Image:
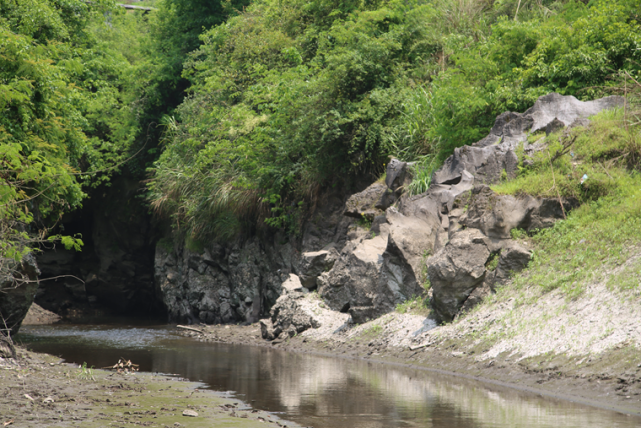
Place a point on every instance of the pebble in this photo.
(189, 412)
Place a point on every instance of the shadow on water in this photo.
(314, 390)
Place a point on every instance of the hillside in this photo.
(463, 171)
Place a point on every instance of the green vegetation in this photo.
(289, 97)
(493, 262)
(604, 232)
(82, 88)
(67, 120)
(85, 373)
(416, 306)
(371, 332)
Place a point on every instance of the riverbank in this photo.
(40, 390)
(609, 379)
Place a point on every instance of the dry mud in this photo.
(39, 390)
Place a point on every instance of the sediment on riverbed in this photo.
(40, 390)
(610, 379)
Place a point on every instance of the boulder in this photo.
(487, 164)
(17, 290)
(397, 174)
(314, 263)
(354, 279)
(363, 204)
(496, 215)
(456, 270)
(293, 284)
(410, 241)
(287, 315)
(363, 314)
(512, 259)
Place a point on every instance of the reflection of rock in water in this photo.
(335, 393)
(331, 387)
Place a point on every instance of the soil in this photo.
(609, 380)
(39, 390)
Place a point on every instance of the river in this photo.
(317, 391)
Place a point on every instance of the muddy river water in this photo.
(316, 391)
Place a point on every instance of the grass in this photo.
(364, 222)
(372, 332)
(600, 233)
(602, 152)
(85, 373)
(628, 278)
(416, 306)
(422, 175)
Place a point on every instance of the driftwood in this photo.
(414, 348)
(190, 329)
(123, 365)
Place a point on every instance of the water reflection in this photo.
(320, 391)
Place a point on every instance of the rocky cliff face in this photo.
(455, 237)
(17, 291)
(241, 281)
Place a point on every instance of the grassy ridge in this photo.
(605, 231)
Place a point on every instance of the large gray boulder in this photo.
(410, 241)
(457, 270)
(493, 157)
(496, 215)
(314, 263)
(18, 288)
(354, 279)
(362, 205)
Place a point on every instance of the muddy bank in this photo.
(610, 380)
(40, 390)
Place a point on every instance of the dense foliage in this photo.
(292, 95)
(66, 116)
(284, 97)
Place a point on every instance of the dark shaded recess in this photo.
(113, 274)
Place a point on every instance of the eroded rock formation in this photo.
(457, 236)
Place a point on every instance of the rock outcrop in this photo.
(457, 236)
(242, 280)
(17, 291)
(487, 159)
(478, 222)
